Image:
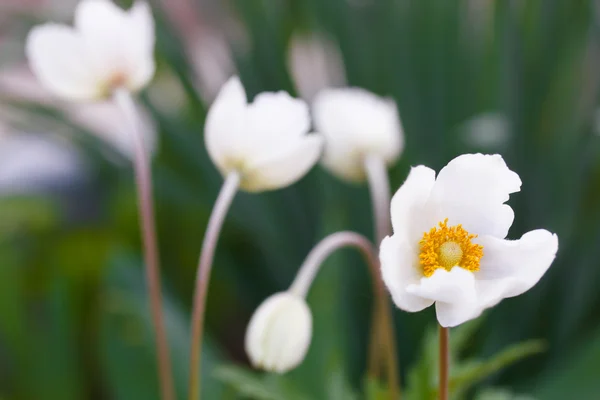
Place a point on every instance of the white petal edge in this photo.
(453, 292)
(284, 168)
(399, 270)
(512, 267)
(472, 189)
(454, 286)
(142, 38)
(450, 315)
(277, 117)
(407, 205)
(119, 41)
(224, 127)
(56, 56)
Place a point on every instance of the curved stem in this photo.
(444, 362)
(382, 325)
(315, 259)
(379, 188)
(228, 191)
(147, 225)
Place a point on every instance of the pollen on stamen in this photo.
(447, 247)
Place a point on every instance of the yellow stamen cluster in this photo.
(446, 247)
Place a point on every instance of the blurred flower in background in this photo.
(315, 62)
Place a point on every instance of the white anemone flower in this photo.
(449, 245)
(279, 333)
(107, 49)
(265, 142)
(357, 124)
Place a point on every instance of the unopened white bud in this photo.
(279, 333)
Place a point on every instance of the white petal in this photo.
(457, 285)
(290, 164)
(356, 123)
(120, 43)
(277, 117)
(454, 293)
(141, 44)
(452, 314)
(279, 333)
(471, 190)
(57, 56)
(224, 136)
(511, 267)
(399, 269)
(407, 207)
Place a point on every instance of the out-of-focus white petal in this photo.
(107, 121)
(277, 117)
(399, 269)
(57, 55)
(224, 136)
(356, 123)
(121, 42)
(471, 190)
(141, 40)
(409, 201)
(284, 167)
(315, 62)
(266, 142)
(279, 333)
(512, 267)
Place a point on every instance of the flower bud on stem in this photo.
(311, 266)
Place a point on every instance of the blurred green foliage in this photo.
(73, 311)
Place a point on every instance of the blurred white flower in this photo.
(279, 333)
(448, 244)
(266, 141)
(487, 131)
(32, 163)
(356, 124)
(103, 119)
(108, 48)
(315, 62)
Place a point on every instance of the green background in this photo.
(74, 322)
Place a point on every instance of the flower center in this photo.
(447, 247)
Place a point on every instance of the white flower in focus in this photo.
(448, 245)
(279, 333)
(108, 48)
(266, 141)
(356, 124)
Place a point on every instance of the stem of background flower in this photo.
(318, 255)
(211, 236)
(444, 362)
(147, 225)
(382, 325)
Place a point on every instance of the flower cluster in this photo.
(448, 245)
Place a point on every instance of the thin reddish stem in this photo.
(147, 226)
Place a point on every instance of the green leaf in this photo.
(256, 386)
(576, 377)
(466, 375)
(126, 347)
(375, 390)
(500, 394)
